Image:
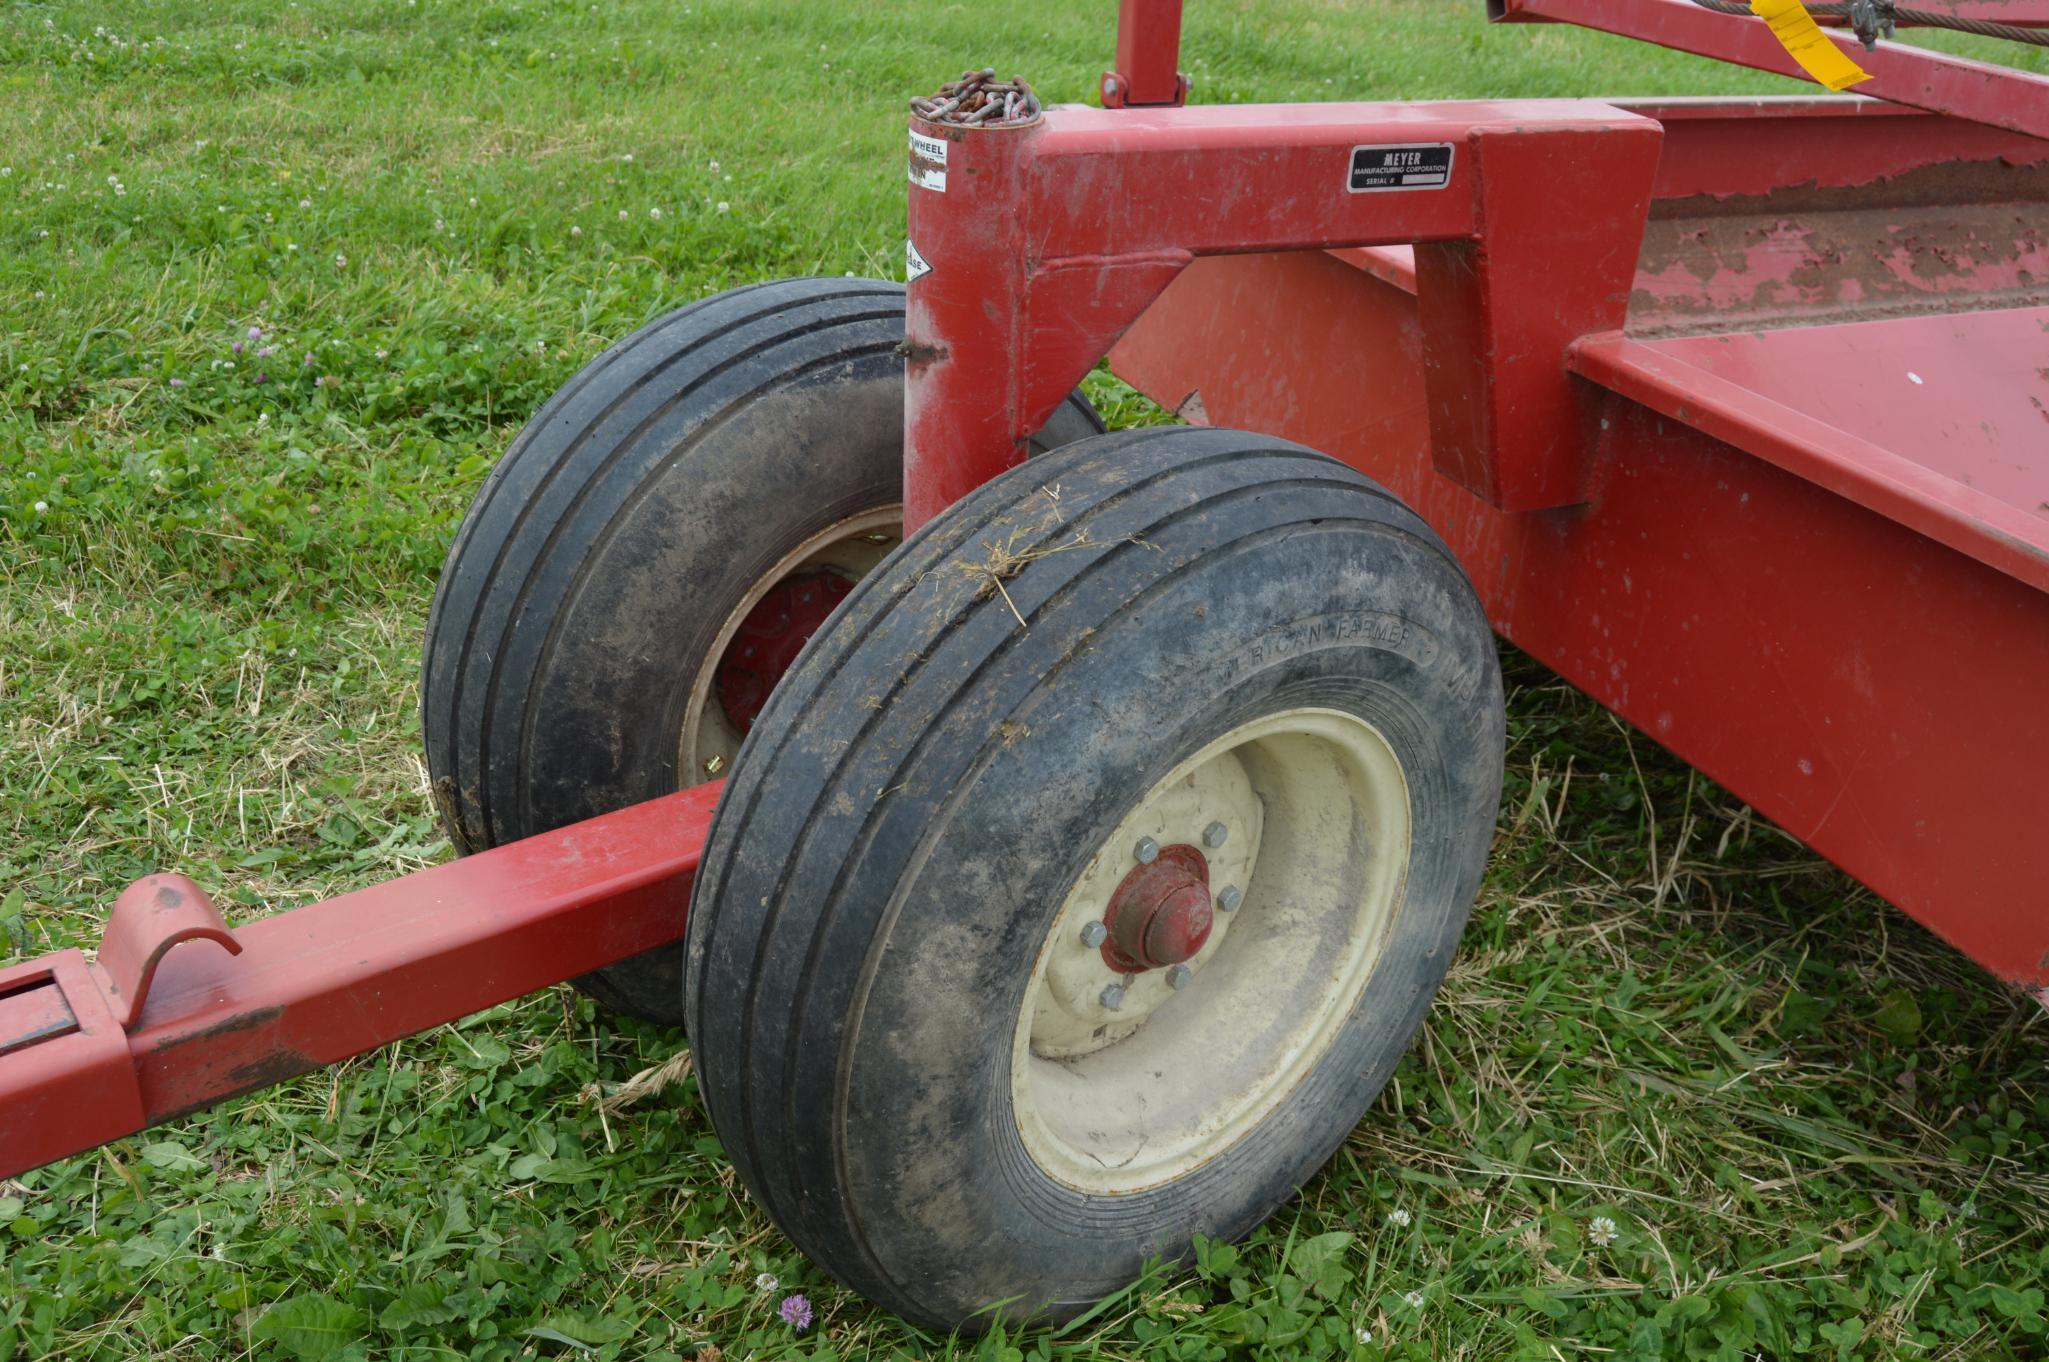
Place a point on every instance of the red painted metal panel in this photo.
(1874, 692)
(1721, 148)
(1905, 74)
(335, 979)
(1850, 408)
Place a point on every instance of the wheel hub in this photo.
(1209, 952)
(1161, 914)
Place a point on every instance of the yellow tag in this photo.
(1797, 32)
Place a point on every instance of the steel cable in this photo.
(1912, 18)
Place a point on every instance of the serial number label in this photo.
(1417, 165)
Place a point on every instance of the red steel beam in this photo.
(335, 979)
(1047, 240)
(1904, 74)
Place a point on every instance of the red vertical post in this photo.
(1148, 56)
(964, 323)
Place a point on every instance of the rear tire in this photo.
(586, 631)
(898, 989)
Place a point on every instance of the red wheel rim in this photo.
(769, 639)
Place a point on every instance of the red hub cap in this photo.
(1160, 915)
(769, 639)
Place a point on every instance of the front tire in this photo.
(651, 553)
(1155, 662)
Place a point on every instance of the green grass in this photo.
(1817, 1131)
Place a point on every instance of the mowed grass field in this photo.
(279, 281)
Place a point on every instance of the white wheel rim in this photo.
(1316, 813)
(850, 547)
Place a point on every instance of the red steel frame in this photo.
(1853, 640)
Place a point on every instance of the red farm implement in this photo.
(1085, 820)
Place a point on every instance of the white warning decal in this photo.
(916, 266)
(928, 161)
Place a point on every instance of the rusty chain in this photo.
(979, 100)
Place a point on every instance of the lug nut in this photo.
(1179, 976)
(1146, 850)
(1094, 934)
(1113, 996)
(1214, 835)
(1229, 898)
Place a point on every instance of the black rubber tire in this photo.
(932, 775)
(614, 538)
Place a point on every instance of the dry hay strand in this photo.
(648, 1082)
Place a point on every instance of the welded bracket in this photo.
(152, 915)
(1148, 55)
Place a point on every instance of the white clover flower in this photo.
(1364, 1335)
(438, 225)
(384, 354)
(1601, 1230)
(628, 158)
(766, 1281)
(623, 215)
(714, 167)
(305, 203)
(576, 231)
(473, 201)
(341, 262)
(725, 207)
(41, 294)
(1399, 1218)
(1414, 1298)
(41, 506)
(291, 245)
(5, 171)
(655, 213)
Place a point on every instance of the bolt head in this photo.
(1094, 934)
(1113, 996)
(1146, 851)
(1180, 976)
(1109, 85)
(1215, 835)
(1230, 897)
